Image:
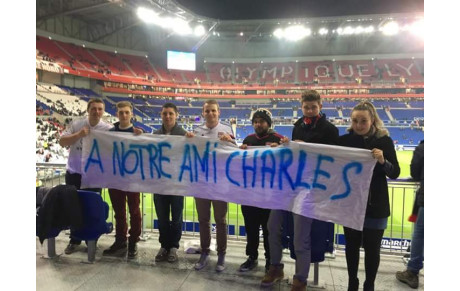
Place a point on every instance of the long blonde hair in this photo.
(377, 128)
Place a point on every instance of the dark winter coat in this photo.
(322, 132)
(61, 209)
(378, 205)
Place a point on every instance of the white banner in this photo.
(48, 66)
(329, 183)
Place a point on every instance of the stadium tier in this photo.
(263, 73)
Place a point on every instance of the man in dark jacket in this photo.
(255, 217)
(313, 127)
(169, 205)
(415, 264)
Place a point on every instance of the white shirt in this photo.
(74, 160)
(215, 132)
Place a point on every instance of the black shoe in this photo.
(118, 248)
(132, 250)
(71, 248)
(248, 265)
(353, 284)
(368, 286)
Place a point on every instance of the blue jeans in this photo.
(170, 230)
(415, 263)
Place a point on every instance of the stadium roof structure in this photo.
(117, 22)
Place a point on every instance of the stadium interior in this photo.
(117, 51)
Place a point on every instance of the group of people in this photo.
(366, 131)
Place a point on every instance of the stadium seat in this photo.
(95, 213)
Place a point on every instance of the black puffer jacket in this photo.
(378, 205)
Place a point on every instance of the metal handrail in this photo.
(396, 238)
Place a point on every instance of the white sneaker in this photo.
(202, 262)
(220, 263)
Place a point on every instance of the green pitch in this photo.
(401, 198)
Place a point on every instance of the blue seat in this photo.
(95, 213)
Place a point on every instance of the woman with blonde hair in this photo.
(367, 132)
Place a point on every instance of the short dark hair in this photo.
(94, 100)
(170, 105)
(310, 95)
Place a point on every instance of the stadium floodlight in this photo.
(348, 30)
(181, 27)
(369, 29)
(339, 31)
(199, 30)
(147, 15)
(390, 28)
(323, 31)
(296, 32)
(359, 30)
(279, 33)
(241, 33)
(417, 28)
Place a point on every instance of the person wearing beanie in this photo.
(265, 115)
(255, 217)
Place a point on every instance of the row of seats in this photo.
(80, 58)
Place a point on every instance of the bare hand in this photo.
(226, 137)
(378, 155)
(243, 146)
(285, 139)
(189, 134)
(83, 132)
(137, 131)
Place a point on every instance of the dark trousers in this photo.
(119, 198)
(75, 180)
(371, 240)
(255, 217)
(170, 229)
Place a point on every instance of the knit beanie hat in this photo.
(264, 114)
